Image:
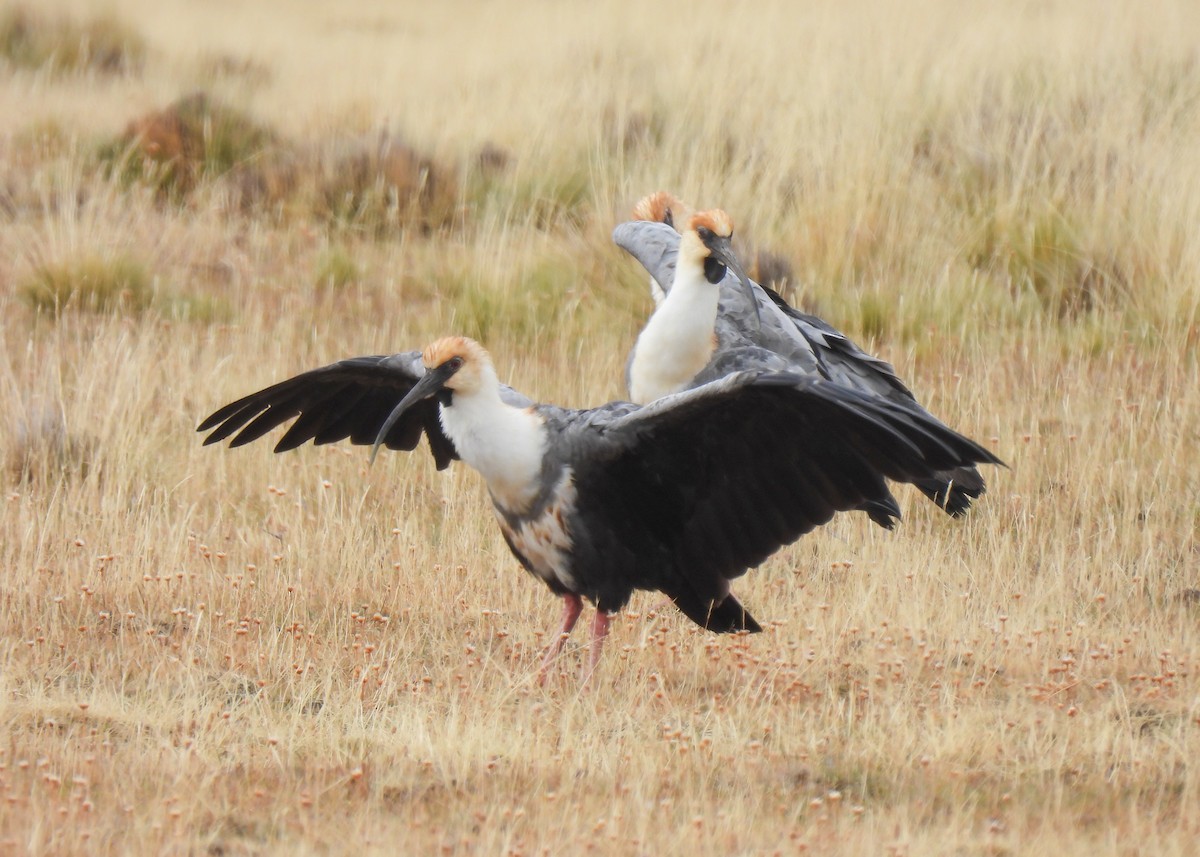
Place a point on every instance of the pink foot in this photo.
(600, 626)
(572, 607)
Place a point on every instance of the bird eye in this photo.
(455, 363)
(705, 234)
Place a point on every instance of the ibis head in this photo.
(462, 364)
(708, 240)
(453, 365)
(660, 207)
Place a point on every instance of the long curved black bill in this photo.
(429, 385)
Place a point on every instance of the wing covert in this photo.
(348, 399)
(712, 481)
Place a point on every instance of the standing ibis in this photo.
(711, 320)
(680, 496)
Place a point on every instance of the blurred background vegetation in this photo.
(228, 652)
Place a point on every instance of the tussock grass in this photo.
(31, 40)
(93, 284)
(373, 186)
(193, 138)
(381, 185)
(41, 447)
(228, 651)
(219, 67)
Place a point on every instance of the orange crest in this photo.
(715, 220)
(439, 352)
(660, 207)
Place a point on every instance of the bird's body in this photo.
(752, 328)
(599, 503)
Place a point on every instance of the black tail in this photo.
(884, 511)
(724, 618)
(952, 490)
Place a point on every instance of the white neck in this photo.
(678, 340)
(657, 292)
(505, 444)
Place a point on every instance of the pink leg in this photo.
(600, 627)
(572, 607)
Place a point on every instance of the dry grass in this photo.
(231, 652)
(98, 45)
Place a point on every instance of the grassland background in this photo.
(231, 652)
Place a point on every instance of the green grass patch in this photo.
(92, 284)
(523, 305)
(546, 201)
(336, 269)
(1043, 254)
(198, 308)
(874, 314)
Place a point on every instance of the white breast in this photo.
(676, 343)
(505, 444)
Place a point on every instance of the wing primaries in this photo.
(349, 399)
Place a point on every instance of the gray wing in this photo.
(843, 361)
(348, 399)
(688, 492)
(655, 245)
(820, 408)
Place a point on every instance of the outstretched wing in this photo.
(707, 483)
(655, 245)
(809, 344)
(348, 399)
